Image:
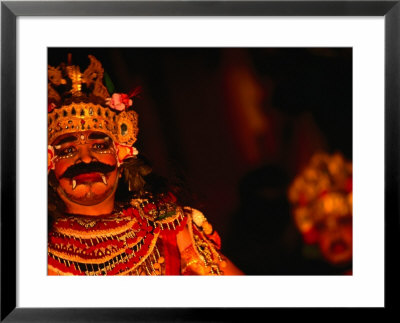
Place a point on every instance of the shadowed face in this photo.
(85, 167)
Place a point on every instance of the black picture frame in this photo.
(10, 10)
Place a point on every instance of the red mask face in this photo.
(335, 239)
(85, 166)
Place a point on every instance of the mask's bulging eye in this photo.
(67, 152)
(101, 146)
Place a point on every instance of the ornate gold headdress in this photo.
(79, 101)
(324, 188)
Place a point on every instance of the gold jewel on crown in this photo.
(79, 102)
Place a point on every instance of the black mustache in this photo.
(83, 168)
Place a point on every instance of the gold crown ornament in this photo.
(323, 189)
(80, 102)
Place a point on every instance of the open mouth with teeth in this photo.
(88, 178)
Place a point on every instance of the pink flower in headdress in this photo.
(119, 101)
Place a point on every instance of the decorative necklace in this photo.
(125, 243)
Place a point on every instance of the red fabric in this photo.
(171, 253)
(214, 237)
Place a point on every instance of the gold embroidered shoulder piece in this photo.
(202, 257)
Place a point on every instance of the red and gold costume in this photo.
(139, 240)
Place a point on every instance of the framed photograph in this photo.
(271, 126)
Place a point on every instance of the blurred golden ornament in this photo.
(321, 190)
(198, 217)
(207, 228)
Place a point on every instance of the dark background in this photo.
(237, 124)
